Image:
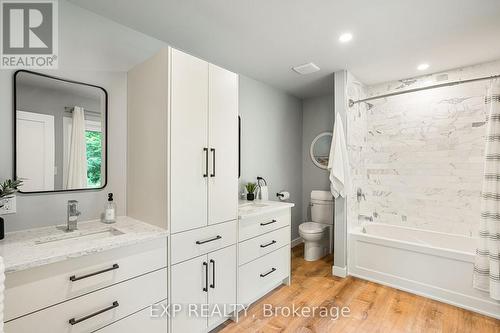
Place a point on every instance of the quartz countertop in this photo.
(257, 207)
(41, 246)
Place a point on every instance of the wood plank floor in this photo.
(374, 308)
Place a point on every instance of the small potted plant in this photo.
(7, 190)
(251, 187)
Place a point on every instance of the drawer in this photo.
(260, 276)
(197, 242)
(112, 304)
(257, 247)
(257, 225)
(51, 284)
(139, 322)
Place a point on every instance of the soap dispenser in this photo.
(110, 210)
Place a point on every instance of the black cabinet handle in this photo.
(212, 285)
(213, 162)
(266, 274)
(74, 321)
(209, 240)
(268, 244)
(74, 278)
(206, 162)
(205, 266)
(267, 223)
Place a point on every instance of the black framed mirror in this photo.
(60, 133)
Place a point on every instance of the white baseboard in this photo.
(339, 271)
(296, 241)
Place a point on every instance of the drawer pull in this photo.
(266, 274)
(206, 162)
(213, 162)
(268, 244)
(267, 223)
(209, 240)
(74, 321)
(205, 267)
(212, 285)
(74, 278)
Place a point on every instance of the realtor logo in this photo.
(29, 34)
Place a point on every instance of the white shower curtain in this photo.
(487, 263)
(77, 162)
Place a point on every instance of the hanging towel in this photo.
(487, 261)
(2, 289)
(338, 161)
(77, 164)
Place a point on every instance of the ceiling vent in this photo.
(306, 68)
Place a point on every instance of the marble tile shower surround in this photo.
(419, 157)
(356, 144)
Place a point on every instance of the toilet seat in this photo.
(312, 228)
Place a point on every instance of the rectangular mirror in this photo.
(60, 133)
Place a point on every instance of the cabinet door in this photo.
(222, 283)
(223, 141)
(189, 282)
(189, 138)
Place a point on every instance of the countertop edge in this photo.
(282, 205)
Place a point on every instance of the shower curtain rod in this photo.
(352, 102)
(71, 108)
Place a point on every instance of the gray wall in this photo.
(85, 54)
(317, 117)
(271, 144)
(35, 210)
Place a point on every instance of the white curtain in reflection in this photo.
(77, 164)
(487, 263)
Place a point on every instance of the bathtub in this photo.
(431, 264)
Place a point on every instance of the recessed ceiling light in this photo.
(306, 68)
(423, 67)
(345, 37)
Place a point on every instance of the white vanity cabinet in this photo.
(204, 143)
(204, 280)
(87, 293)
(263, 251)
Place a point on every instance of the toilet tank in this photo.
(322, 207)
(322, 211)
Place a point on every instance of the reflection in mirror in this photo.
(60, 133)
(320, 149)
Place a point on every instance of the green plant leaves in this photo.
(9, 187)
(251, 187)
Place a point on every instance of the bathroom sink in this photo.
(78, 236)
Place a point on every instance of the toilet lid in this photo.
(311, 227)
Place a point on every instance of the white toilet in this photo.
(317, 235)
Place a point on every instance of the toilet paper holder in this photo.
(283, 195)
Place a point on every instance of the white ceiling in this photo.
(263, 39)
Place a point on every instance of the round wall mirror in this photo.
(320, 149)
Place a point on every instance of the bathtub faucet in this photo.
(365, 218)
(360, 195)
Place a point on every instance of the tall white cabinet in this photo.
(192, 108)
(204, 143)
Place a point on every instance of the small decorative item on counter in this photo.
(110, 210)
(7, 189)
(251, 187)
